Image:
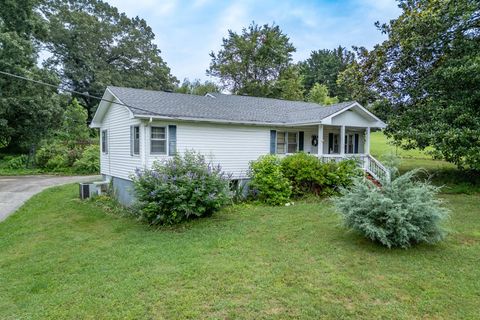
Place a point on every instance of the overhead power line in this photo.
(84, 94)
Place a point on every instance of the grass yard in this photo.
(65, 259)
(441, 173)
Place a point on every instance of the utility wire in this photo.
(73, 91)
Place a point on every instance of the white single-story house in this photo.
(139, 126)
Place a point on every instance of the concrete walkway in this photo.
(14, 191)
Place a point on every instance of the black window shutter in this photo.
(301, 135)
(273, 141)
(330, 142)
(356, 143)
(172, 140)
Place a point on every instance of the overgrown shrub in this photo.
(57, 162)
(51, 154)
(401, 213)
(179, 189)
(89, 162)
(308, 174)
(16, 162)
(268, 184)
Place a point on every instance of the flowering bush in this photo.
(180, 188)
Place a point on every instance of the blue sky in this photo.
(187, 31)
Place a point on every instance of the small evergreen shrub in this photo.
(268, 184)
(89, 162)
(309, 175)
(401, 213)
(180, 188)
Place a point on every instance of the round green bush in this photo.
(268, 184)
(309, 175)
(401, 213)
(180, 188)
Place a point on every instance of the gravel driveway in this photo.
(14, 191)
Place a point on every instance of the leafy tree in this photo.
(289, 85)
(427, 72)
(319, 94)
(250, 62)
(324, 66)
(93, 45)
(358, 78)
(28, 111)
(74, 126)
(197, 87)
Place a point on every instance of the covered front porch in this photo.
(332, 143)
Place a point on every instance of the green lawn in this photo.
(65, 259)
(411, 159)
(441, 173)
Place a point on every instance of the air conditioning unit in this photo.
(89, 190)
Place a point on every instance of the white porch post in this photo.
(367, 141)
(342, 140)
(320, 141)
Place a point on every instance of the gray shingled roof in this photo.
(223, 107)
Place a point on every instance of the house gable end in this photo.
(108, 99)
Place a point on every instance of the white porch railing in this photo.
(367, 162)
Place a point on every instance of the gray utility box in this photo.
(89, 190)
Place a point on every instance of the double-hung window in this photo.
(104, 136)
(134, 140)
(287, 142)
(158, 140)
(281, 142)
(292, 142)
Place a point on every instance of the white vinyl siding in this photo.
(118, 161)
(231, 146)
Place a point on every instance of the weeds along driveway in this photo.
(15, 190)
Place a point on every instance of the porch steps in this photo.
(373, 180)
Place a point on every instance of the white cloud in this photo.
(187, 31)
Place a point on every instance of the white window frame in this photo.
(156, 139)
(286, 143)
(297, 138)
(104, 141)
(350, 138)
(132, 140)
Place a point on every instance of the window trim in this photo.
(297, 137)
(104, 141)
(132, 140)
(286, 143)
(350, 140)
(166, 140)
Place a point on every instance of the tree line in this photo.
(423, 79)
